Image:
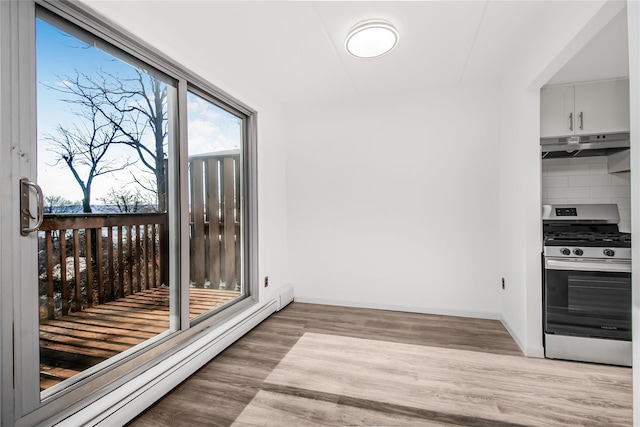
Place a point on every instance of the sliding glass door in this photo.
(104, 153)
(215, 205)
(135, 201)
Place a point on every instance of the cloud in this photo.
(206, 136)
(210, 127)
(64, 83)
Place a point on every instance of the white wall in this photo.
(568, 27)
(519, 217)
(633, 19)
(392, 202)
(587, 180)
(272, 202)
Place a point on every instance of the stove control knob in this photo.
(565, 251)
(609, 252)
(578, 251)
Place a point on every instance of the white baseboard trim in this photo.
(284, 295)
(535, 352)
(126, 402)
(409, 309)
(527, 351)
(515, 336)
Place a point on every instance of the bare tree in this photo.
(143, 100)
(83, 147)
(57, 204)
(131, 106)
(127, 201)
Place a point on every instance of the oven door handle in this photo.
(605, 266)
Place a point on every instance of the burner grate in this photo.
(582, 238)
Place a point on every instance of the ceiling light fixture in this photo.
(371, 38)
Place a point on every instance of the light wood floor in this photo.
(322, 365)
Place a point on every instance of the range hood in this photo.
(584, 146)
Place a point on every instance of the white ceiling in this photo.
(293, 52)
(606, 56)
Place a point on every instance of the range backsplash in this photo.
(586, 180)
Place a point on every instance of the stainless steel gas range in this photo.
(587, 284)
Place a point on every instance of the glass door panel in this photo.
(215, 206)
(102, 149)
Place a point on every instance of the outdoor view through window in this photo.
(105, 142)
(215, 201)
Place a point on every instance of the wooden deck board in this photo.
(87, 328)
(73, 343)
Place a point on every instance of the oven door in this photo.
(588, 298)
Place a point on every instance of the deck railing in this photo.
(215, 235)
(90, 259)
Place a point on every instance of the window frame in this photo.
(84, 392)
(245, 176)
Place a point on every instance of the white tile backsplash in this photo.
(609, 191)
(586, 180)
(622, 202)
(565, 170)
(568, 192)
(551, 162)
(554, 201)
(625, 215)
(598, 169)
(589, 200)
(588, 160)
(555, 181)
(589, 180)
(623, 178)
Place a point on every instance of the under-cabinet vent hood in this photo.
(584, 146)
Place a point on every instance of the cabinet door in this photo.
(602, 107)
(556, 111)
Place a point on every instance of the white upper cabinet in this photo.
(584, 109)
(556, 111)
(602, 107)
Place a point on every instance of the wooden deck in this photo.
(73, 343)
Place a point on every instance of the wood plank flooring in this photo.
(73, 343)
(323, 365)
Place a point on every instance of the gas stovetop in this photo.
(588, 239)
(583, 225)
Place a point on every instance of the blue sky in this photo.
(59, 54)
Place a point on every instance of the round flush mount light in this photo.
(371, 38)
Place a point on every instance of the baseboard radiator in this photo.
(285, 295)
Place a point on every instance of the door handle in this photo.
(25, 213)
(577, 266)
(571, 121)
(581, 120)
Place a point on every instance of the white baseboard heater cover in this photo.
(285, 295)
